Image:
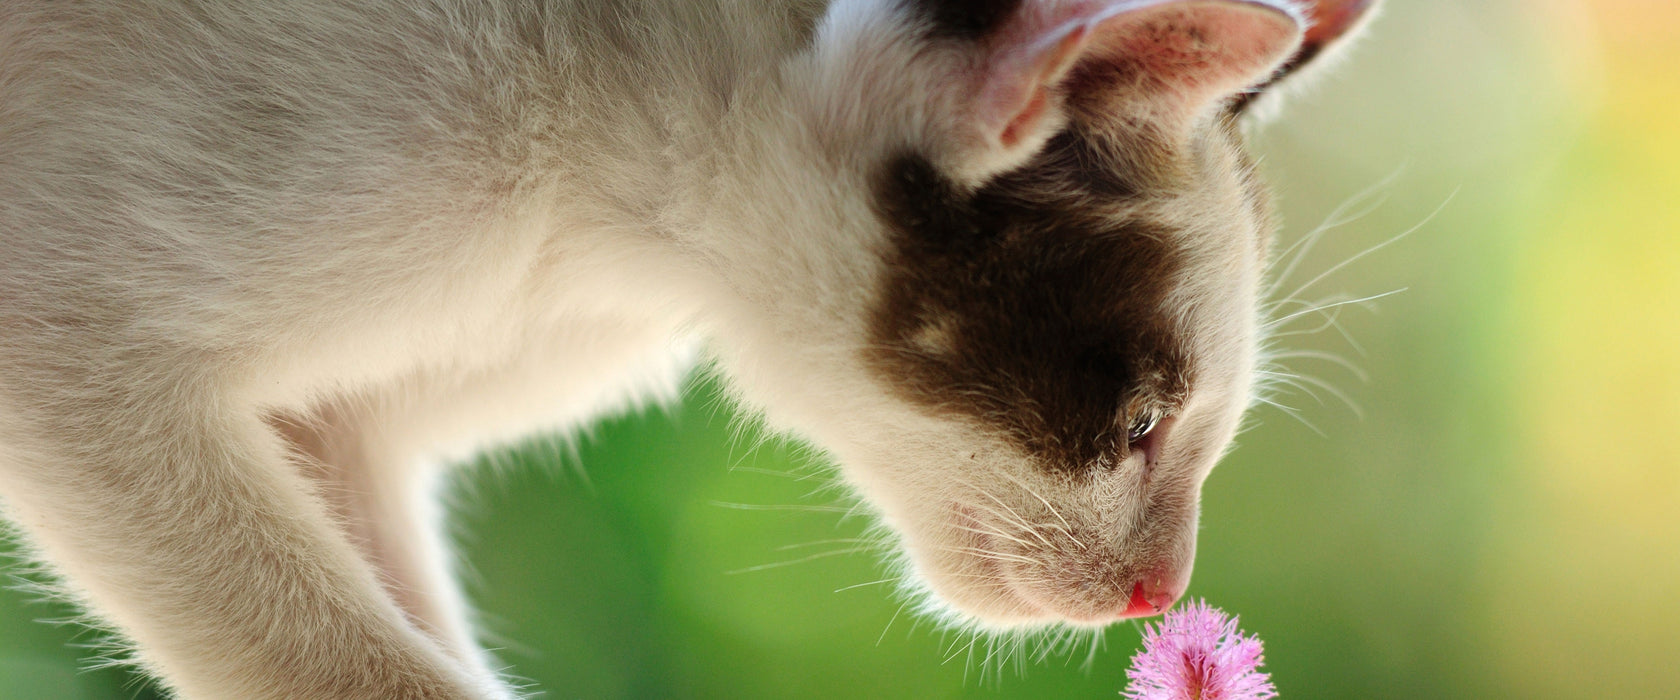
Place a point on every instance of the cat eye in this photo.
(1142, 426)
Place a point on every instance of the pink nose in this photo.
(1148, 601)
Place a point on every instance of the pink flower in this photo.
(1197, 653)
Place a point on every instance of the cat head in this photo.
(1023, 311)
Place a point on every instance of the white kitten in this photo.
(262, 264)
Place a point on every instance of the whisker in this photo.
(1330, 357)
(1068, 528)
(1335, 219)
(1292, 413)
(801, 560)
(1017, 519)
(1099, 641)
(970, 647)
(791, 507)
(774, 472)
(1368, 251)
(994, 533)
(851, 512)
(1297, 379)
(1324, 307)
(818, 543)
(1349, 339)
(869, 583)
(988, 554)
(890, 622)
(798, 561)
(986, 661)
(1005, 519)
(1274, 380)
(1332, 318)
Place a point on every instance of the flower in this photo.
(1197, 653)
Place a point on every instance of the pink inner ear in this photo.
(1046, 68)
(1331, 19)
(1174, 56)
(1026, 121)
(1185, 55)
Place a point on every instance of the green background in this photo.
(1502, 521)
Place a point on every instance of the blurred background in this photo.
(1499, 518)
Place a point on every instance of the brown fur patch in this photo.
(966, 19)
(1045, 288)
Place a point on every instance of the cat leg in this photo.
(377, 457)
(171, 509)
(384, 498)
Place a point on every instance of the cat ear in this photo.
(1333, 22)
(1168, 61)
(1333, 25)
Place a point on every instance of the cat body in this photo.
(264, 267)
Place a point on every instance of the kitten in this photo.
(264, 265)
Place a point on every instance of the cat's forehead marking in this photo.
(965, 19)
(1030, 305)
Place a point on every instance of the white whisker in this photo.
(1337, 218)
(1292, 413)
(1330, 357)
(1332, 305)
(890, 622)
(1014, 517)
(1368, 251)
(1068, 529)
(867, 583)
(818, 543)
(1301, 380)
(994, 533)
(801, 560)
(789, 507)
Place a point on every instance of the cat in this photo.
(265, 265)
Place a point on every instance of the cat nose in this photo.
(1149, 599)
